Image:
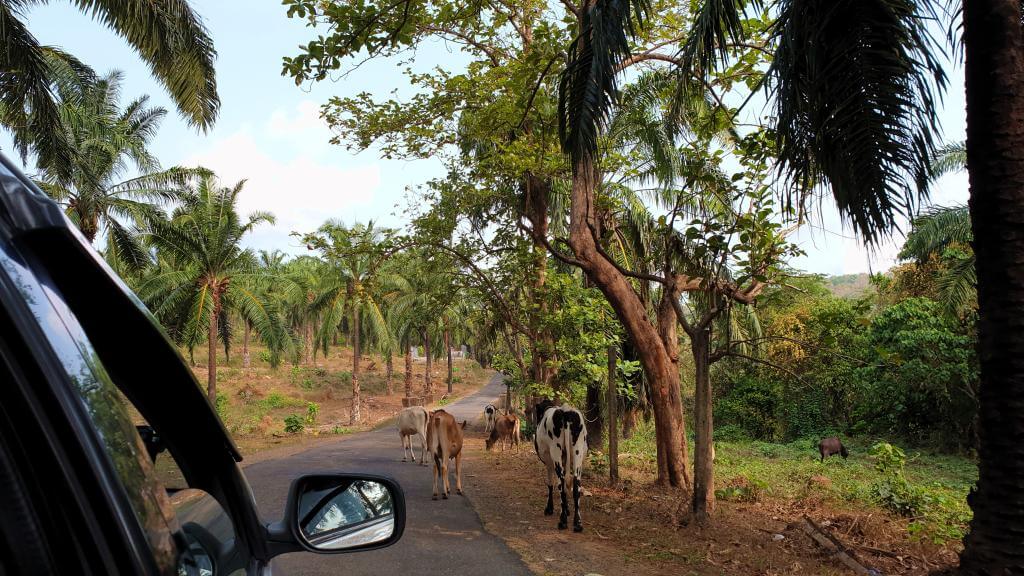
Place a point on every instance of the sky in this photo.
(269, 131)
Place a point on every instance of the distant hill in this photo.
(849, 285)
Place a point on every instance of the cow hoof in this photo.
(403, 459)
(563, 525)
(434, 497)
(445, 496)
(459, 492)
(549, 512)
(577, 528)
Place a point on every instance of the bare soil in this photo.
(642, 529)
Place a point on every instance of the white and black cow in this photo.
(490, 415)
(561, 444)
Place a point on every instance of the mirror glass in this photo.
(338, 513)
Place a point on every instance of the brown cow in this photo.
(444, 440)
(505, 428)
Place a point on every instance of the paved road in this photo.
(441, 537)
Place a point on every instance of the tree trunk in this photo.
(307, 343)
(628, 422)
(612, 401)
(211, 358)
(448, 347)
(994, 70)
(355, 366)
(389, 371)
(246, 360)
(592, 411)
(703, 471)
(428, 382)
(660, 361)
(408, 371)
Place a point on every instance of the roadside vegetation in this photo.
(611, 215)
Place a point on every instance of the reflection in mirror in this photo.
(336, 513)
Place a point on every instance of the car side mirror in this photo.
(338, 513)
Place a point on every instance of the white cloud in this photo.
(287, 164)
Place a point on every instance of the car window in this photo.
(106, 410)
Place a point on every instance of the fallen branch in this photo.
(839, 551)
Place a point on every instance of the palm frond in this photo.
(855, 88)
(588, 84)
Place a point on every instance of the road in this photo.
(441, 537)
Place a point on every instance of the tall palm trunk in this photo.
(388, 373)
(211, 358)
(448, 348)
(307, 342)
(355, 366)
(994, 70)
(408, 371)
(245, 345)
(428, 382)
(656, 347)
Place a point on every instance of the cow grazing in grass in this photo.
(444, 440)
(561, 444)
(490, 415)
(506, 428)
(412, 421)
(831, 446)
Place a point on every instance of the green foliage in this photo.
(925, 388)
(276, 400)
(264, 356)
(294, 424)
(222, 406)
(312, 411)
(893, 491)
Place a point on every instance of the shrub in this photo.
(222, 406)
(277, 400)
(526, 429)
(894, 492)
(344, 378)
(293, 424)
(740, 489)
(312, 411)
(264, 356)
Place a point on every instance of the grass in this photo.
(785, 472)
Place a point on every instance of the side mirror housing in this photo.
(339, 513)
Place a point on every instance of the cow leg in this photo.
(577, 520)
(404, 450)
(444, 471)
(436, 472)
(550, 508)
(423, 450)
(563, 516)
(458, 473)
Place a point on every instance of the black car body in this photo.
(77, 487)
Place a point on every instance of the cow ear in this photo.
(464, 424)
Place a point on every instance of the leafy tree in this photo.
(167, 34)
(203, 272)
(858, 113)
(108, 141)
(943, 235)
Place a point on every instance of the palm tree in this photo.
(854, 87)
(944, 232)
(351, 291)
(205, 273)
(108, 141)
(167, 34)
